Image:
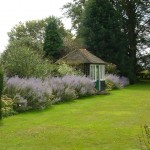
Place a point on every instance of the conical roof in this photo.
(81, 56)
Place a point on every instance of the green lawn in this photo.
(111, 122)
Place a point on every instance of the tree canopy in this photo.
(53, 39)
(32, 35)
(101, 32)
(133, 18)
(136, 24)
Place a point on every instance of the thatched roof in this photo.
(81, 56)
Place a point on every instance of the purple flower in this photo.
(116, 81)
(37, 91)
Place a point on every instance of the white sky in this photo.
(14, 11)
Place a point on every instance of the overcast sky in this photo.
(14, 11)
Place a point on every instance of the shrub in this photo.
(110, 85)
(65, 69)
(116, 82)
(82, 85)
(34, 93)
(145, 74)
(77, 85)
(24, 62)
(111, 68)
(124, 81)
(60, 90)
(7, 106)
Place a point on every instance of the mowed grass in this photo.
(103, 122)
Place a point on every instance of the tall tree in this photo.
(136, 20)
(33, 28)
(30, 34)
(102, 34)
(53, 39)
(135, 24)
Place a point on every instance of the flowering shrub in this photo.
(36, 93)
(70, 87)
(113, 81)
(124, 81)
(116, 82)
(7, 106)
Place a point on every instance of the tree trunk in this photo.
(132, 37)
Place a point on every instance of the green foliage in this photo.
(7, 106)
(69, 94)
(53, 39)
(71, 43)
(1, 90)
(102, 34)
(145, 74)
(65, 69)
(24, 62)
(30, 34)
(134, 21)
(111, 69)
(21, 58)
(33, 29)
(135, 17)
(110, 85)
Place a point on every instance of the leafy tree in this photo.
(33, 28)
(22, 61)
(136, 21)
(71, 43)
(53, 39)
(102, 34)
(30, 33)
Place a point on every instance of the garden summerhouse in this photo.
(91, 65)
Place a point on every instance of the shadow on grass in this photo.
(141, 86)
(78, 99)
(92, 97)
